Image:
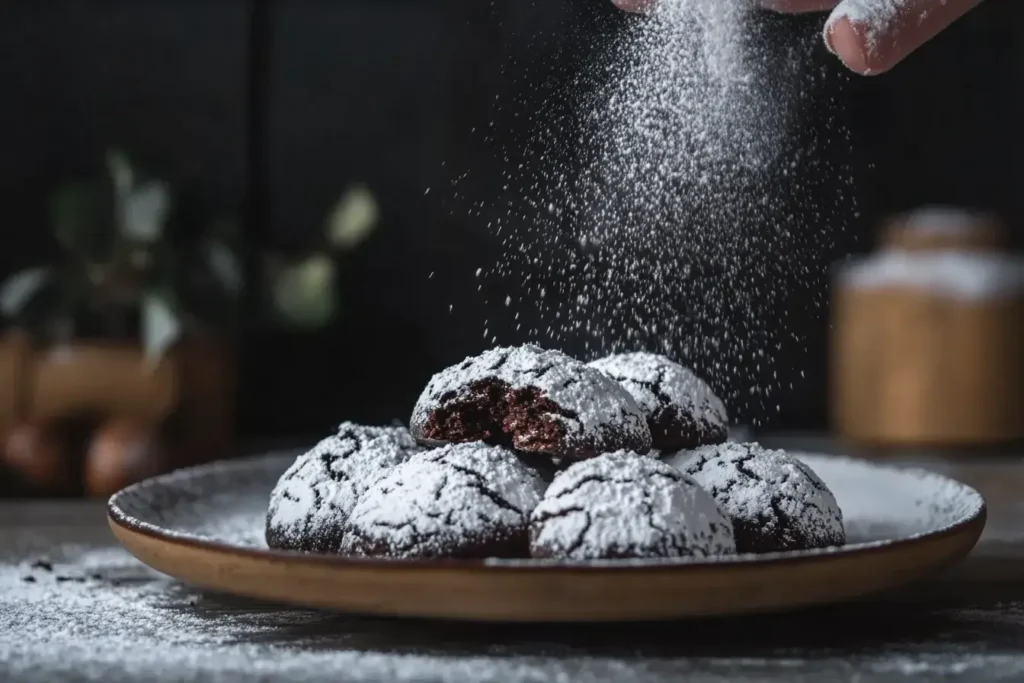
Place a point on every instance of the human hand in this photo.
(869, 36)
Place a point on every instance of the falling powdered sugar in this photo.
(664, 213)
(624, 506)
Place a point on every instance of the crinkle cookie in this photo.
(464, 501)
(312, 500)
(532, 400)
(681, 409)
(775, 501)
(624, 505)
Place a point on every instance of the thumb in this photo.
(634, 5)
(872, 36)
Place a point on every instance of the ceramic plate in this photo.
(205, 526)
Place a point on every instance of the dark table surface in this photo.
(73, 606)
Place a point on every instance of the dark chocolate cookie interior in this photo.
(491, 410)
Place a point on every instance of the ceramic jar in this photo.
(928, 336)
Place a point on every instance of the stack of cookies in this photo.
(525, 452)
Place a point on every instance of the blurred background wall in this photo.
(269, 109)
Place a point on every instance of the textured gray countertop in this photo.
(75, 607)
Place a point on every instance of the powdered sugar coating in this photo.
(875, 18)
(776, 502)
(312, 500)
(623, 505)
(464, 500)
(681, 409)
(595, 413)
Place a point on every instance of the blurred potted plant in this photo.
(128, 330)
(122, 274)
(118, 357)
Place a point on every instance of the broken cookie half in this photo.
(533, 400)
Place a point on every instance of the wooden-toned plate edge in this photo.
(951, 547)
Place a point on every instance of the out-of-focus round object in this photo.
(938, 228)
(122, 452)
(38, 456)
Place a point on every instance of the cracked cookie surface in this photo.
(776, 502)
(312, 500)
(532, 400)
(466, 501)
(624, 505)
(681, 409)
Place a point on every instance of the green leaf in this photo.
(19, 289)
(353, 218)
(144, 210)
(161, 327)
(305, 294)
(45, 309)
(224, 265)
(121, 172)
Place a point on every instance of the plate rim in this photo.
(117, 516)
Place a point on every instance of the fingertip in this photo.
(634, 5)
(796, 6)
(854, 45)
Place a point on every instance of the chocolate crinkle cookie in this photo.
(533, 400)
(461, 501)
(312, 500)
(623, 505)
(776, 502)
(681, 409)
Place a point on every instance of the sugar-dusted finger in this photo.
(786, 6)
(872, 36)
(634, 5)
(797, 6)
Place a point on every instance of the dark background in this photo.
(271, 108)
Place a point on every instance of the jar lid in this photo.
(938, 228)
(964, 275)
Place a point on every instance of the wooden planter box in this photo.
(192, 386)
